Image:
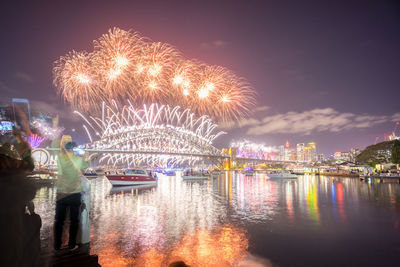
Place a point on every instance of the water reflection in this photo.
(208, 223)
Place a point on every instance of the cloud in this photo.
(315, 120)
(262, 108)
(219, 43)
(396, 117)
(24, 77)
(213, 44)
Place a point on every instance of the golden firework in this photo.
(127, 66)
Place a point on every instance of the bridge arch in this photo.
(157, 134)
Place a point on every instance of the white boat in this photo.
(282, 175)
(131, 177)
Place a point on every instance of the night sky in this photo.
(326, 72)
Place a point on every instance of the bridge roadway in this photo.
(263, 160)
(148, 152)
(223, 157)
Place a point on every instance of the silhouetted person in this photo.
(15, 191)
(178, 264)
(32, 225)
(68, 192)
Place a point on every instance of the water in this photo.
(235, 220)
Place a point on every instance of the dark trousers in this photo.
(73, 202)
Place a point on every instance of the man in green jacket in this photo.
(69, 189)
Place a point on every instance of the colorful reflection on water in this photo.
(220, 222)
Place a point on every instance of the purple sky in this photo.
(325, 72)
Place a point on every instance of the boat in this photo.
(90, 173)
(131, 177)
(282, 175)
(248, 171)
(195, 175)
(168, 172)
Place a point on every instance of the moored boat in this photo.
(131, 177)
(248, 171)
(168, 172)
(195, 175)
(282, 175)
(90, 175)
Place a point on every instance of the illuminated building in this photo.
(349, 156)
(300, 152)
(6, 118)
(293, 154)
(6, 112)
(287, 152)
(281, 153)
(310, 152)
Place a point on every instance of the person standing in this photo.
(69, 189)
(33, 223)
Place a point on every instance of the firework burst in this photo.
(76, 80)
(127, 66)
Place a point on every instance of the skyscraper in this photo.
(300, 152)
(310, 152)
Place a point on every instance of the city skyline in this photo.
(317, 79)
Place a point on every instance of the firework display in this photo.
(125, 65)
(47, 131)
(35, 141)
(248, 149)
(155, 135)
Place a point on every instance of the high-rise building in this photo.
(293, 154)
(310, 152)
(287, 152)
(6, 118)
(354, 152)
(300, 152)
(6, 112)
(281, 152)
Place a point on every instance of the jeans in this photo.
(73, 202)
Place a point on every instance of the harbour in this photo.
(249, 217)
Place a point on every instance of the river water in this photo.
(234, 220)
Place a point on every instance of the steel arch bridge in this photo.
(154, 135)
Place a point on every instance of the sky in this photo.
(324, 71)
